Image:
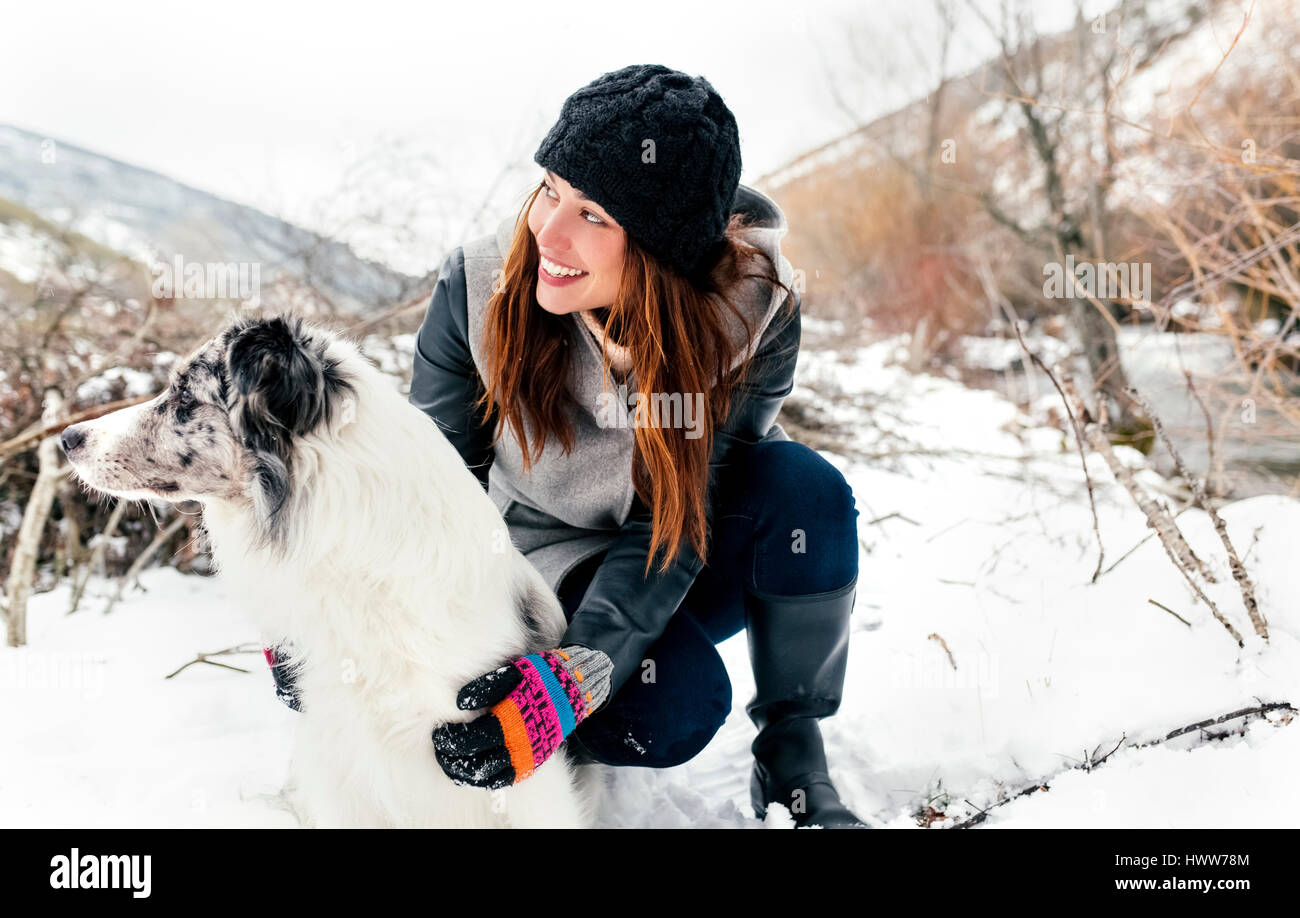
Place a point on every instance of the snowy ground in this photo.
(991, 552)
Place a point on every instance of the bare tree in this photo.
(1074, 218)
(37, 512)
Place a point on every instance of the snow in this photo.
(137, 382)
(1002, 353)
(812, 325)
(22, 251)
(115, 234)
(1170, 352)
(990, 553)
(392, 355)
(1157, 787)
(110, 742)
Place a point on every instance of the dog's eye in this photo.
(184, 400)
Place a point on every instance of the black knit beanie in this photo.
(659, 151)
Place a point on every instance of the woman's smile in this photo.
(580, 249)
(558, 274)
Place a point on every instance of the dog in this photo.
(355, 532)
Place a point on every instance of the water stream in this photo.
(1260, 449)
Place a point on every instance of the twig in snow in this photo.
(1146, 538)
(1254, 540)
(890, 516)
(1158, 518)
(984, 814)
(1001, 595)
(1102, 760)
(1261, 709)
(1198, 492)
(204, 658)
(1078, 437)
(1244, 712)
(1209, 428)
(1170, 611)
(934, 636)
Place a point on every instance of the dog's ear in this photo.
(282, 385)
(278, 380)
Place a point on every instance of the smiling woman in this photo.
(638, 250)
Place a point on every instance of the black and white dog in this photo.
(354, 530)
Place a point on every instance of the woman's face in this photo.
(574, 233)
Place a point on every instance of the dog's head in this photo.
(225, 426)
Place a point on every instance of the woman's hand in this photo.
(536, 702)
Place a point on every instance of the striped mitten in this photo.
(535, 703)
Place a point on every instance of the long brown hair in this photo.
(675, 334)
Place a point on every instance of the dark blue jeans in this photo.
(784, 522)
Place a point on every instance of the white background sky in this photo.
(267, 103)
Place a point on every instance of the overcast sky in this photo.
(268, 103)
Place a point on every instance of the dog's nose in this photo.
(72, 438)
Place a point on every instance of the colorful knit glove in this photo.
(536, 702)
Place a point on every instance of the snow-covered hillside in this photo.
(982, 661)
(149, 217)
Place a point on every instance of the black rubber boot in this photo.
(799, 649)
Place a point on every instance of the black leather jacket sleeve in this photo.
(444, 380)
(623, 612)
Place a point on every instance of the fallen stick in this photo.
(1088, 765)
(204, 658)
(1161, 605)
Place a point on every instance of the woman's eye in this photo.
(550, 193)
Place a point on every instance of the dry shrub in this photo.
(880, 240)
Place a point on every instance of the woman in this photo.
(639, 260)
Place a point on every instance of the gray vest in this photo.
(568, 508)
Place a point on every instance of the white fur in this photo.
(399, 585)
